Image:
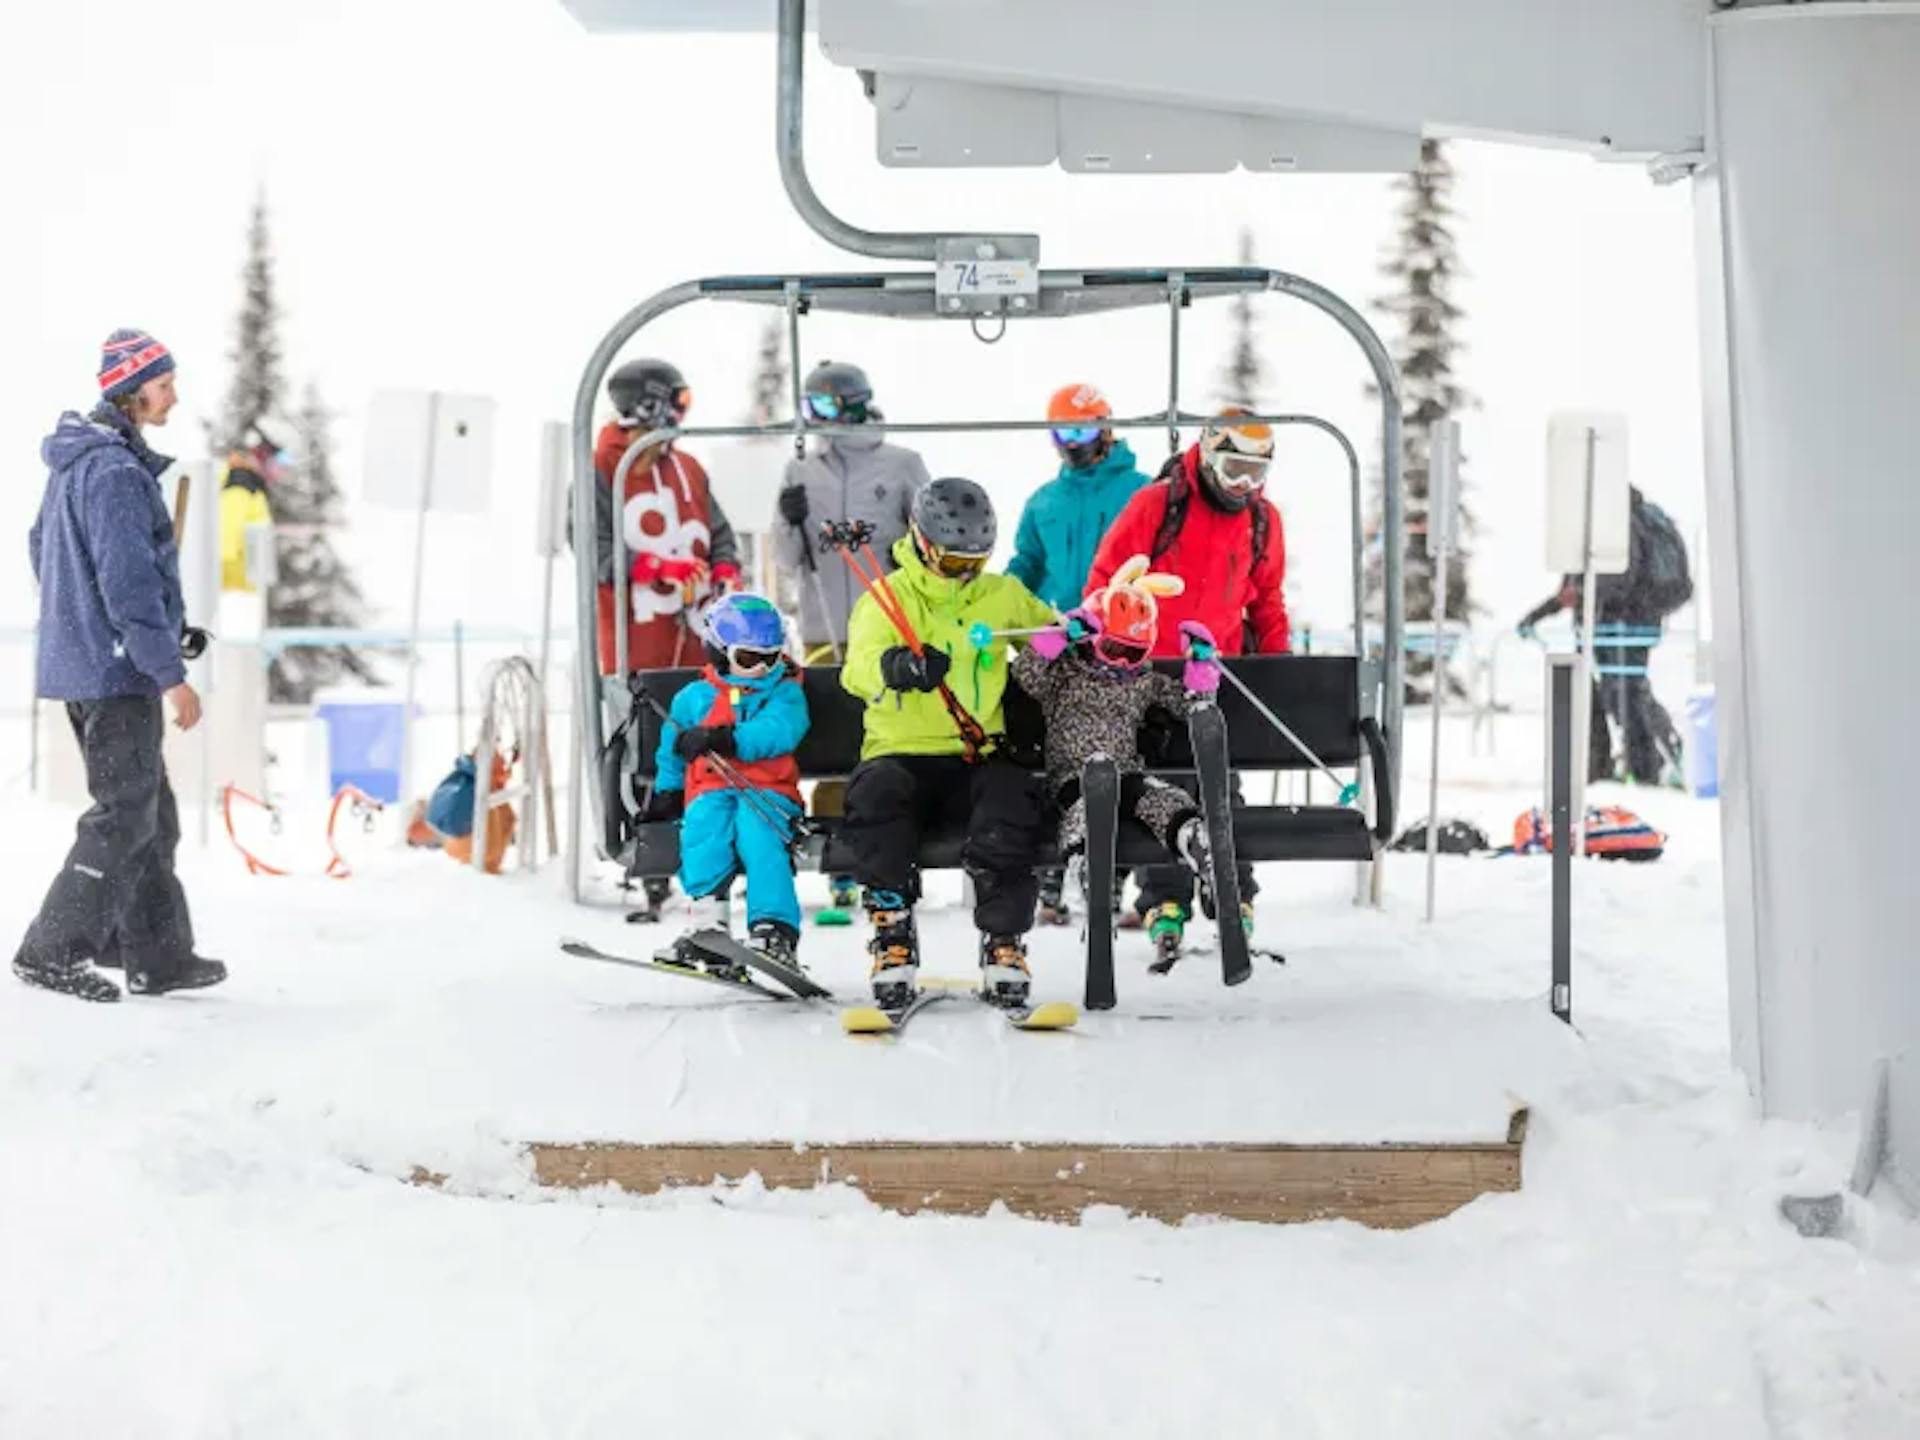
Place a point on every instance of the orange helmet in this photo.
(1078, 416)
(1077, 405)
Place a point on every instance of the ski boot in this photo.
(1190, 844)
(1005, 979)
(1167, 927)
(778, 942)
(77, 979)
(1053, 898)
(193, 973)
(895, 948)
(708, 912)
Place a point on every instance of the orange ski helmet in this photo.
(1077, 414)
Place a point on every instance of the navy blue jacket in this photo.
(103, 552)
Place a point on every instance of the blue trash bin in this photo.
(1703, 745)
(364, 744)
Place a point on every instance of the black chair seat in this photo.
(1261, 833)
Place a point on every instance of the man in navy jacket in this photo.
(111, 626)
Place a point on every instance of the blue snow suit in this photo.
(723, 831)
(103, 552)
(1061, 526)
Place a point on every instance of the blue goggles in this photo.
(825, 407)
(1075, 434)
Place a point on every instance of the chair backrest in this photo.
(1317, 696)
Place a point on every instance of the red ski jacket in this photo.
(1230, 590)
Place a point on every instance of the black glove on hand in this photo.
(904, 670)
(793, 505)
(194, 641)
(698, 740)
(664, 805)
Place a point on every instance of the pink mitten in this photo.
(1201, 677)
(1048, 644)
(1202, 673)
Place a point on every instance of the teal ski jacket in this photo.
(1061, 526)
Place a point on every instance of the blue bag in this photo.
(450, 810)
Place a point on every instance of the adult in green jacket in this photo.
(1061, 526)
(915, 770)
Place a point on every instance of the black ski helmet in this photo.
(955, 514)
(847, 385)
(649, 393)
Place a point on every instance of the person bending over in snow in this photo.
(728, 743)
(922, 762)
(1095, 688)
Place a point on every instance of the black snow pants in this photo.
(891, 799)
(116, 899)
(1162, 883)
(1645, 729)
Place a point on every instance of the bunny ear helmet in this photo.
(1162, 585)
(1130, 571)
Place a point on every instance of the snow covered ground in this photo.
(202, 1229)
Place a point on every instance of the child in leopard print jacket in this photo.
(1095, 689)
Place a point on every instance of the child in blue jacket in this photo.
(728, 743)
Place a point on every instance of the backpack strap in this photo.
(1172, 475)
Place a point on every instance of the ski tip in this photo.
(865, 1020)
(1054, 1015)
(832, 918)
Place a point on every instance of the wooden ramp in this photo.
(1387, 1186)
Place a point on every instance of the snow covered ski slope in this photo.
(204, 1229)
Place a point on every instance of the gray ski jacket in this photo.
(854, 475)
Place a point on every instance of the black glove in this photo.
(698, 740)
(904, 670)
(663, 805)
(793, 505)
(194, 641)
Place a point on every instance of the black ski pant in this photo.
(116, 898)
(1645, 729)
(1162, 883)
(893, 799)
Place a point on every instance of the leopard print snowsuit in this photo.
(1094, 709)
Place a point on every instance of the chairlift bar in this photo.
(789, 142)
(1175, 298)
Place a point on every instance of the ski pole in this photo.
(980, 634)
(843, 536)
(1348, 792)
(749, 794)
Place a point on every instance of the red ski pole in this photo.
(843, 536)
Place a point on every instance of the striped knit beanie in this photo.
(128, 360)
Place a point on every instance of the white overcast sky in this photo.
(466, 195)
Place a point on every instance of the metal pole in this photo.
(483, 770)
(1439, 679)
(1589, 587)
(1562, 672)
(576, 846)
(1176, 285)
(790, 141)
(419, 578)
(459, 686)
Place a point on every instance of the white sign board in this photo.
(1443, 486)
(1574, 438)
(412, 432)
(550, 526)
